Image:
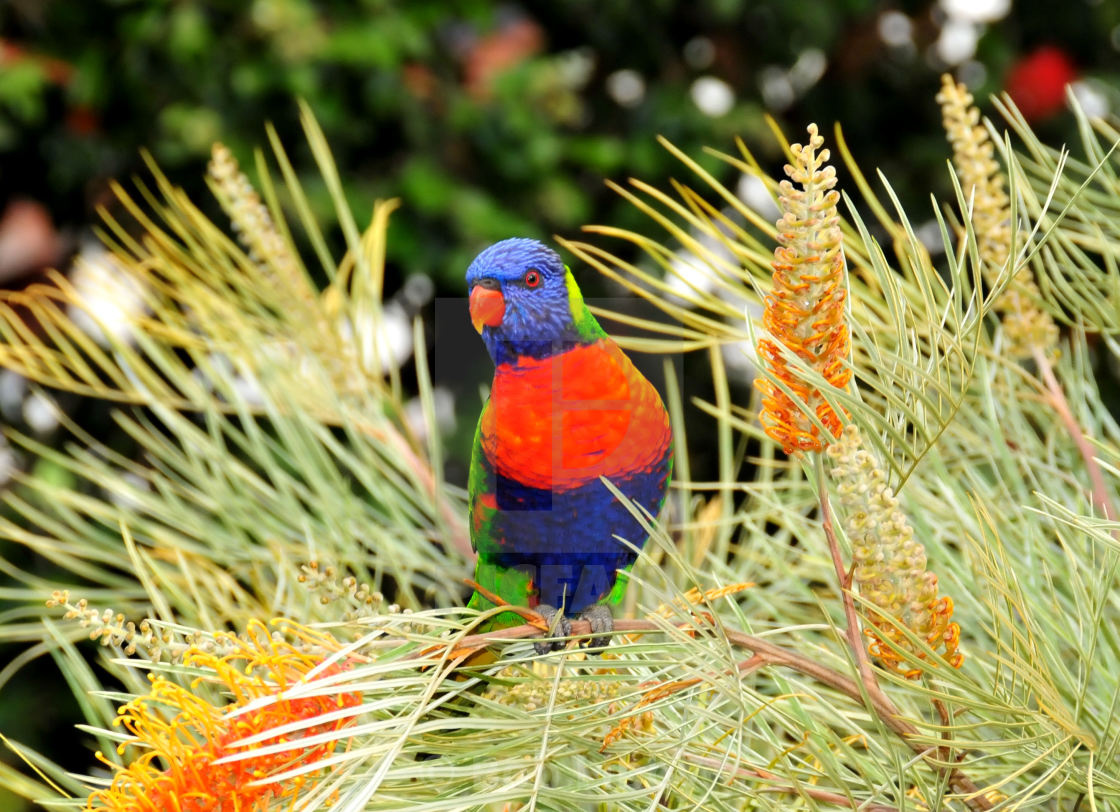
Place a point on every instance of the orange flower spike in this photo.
(805, 312)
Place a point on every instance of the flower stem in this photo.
(1057, 397)
(845, 581)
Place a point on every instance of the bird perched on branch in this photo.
(566, 408)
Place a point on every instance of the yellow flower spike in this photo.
(890, 564)
(805, 311)
(1026, 326)
(189, 734)
(253, 224)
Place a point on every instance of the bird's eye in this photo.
(532, 278)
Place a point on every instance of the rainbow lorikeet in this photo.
(566, 408)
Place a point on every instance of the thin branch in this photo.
(1057, 398)
(823, 795)
(884, 708)
(773, 654)
(414, 462)
(845, 580)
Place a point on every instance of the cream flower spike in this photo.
(890, 564)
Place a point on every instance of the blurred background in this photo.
(492, 120)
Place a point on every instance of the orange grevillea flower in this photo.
(182, 734)
(805, 311)
(890, 564)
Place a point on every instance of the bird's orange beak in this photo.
(488, 306)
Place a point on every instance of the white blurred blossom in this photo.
(699, 53)
(575, 67)
(690, 275)
(741, 357)
(126, 494)
(895, 28)
(109, 298)
(443, 405)
(808, 69)
(972, 73)
(752, 191)
(1091, 99)
(957, 41)
(777, 88)
(976, 11)
(387, 344)
(387, 341)
(713, 96)
(626, 87)
(929, 234)
(13, 389)
(40, 413)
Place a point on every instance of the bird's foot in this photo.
(602, 624)
(598, 616)
(558, 626)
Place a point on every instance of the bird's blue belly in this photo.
(565, 541)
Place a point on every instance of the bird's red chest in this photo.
(557, 423)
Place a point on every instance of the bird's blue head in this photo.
(525, 302)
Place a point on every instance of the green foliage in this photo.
(523, 150)
(743, 697)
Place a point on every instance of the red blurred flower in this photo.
(29, 241)
(81, 119)
(514, 42)
(1037, 82)
(419, 80)
(54, 70)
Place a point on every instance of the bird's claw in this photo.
(599, 617)
(602, 624)
(558, 626)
